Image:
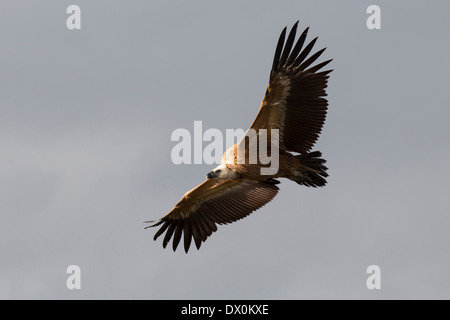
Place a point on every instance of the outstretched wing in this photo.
(294, 101)
(212, 202)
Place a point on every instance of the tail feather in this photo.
(315, 176)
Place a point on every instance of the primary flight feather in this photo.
(295, 105)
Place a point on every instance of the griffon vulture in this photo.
(295, 104)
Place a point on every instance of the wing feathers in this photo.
(297, 48)
(294, 102)
(227, 201)
(187, 231)
(169, 233)
(319, 66)
(304, 53)
(288, 45)
(177, 234)
(276, 58)
(162, 229)
(311, 59)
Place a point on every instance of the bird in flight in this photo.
(293, 109)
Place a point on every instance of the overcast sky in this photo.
(86, 118)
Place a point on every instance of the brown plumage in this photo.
(294, 104)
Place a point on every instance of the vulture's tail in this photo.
(315, 176)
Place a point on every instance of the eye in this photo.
(218, 171)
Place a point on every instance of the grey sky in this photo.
(85, 124)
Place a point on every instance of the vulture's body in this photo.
(294, 107)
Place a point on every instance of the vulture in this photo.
(293, 109)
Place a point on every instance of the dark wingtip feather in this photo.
(326, 72)
(153, 225)
(319, 66)
(304, 53)
(311, 59)
(187, 237)
(298, 47)
(161, 230)
(277, 56)
(169, 234)
(288, 45)
(198, 242)
(177, 235)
